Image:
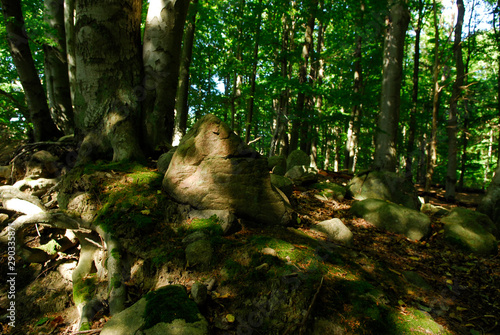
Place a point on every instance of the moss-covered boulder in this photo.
(490, 204)
(297, 158)
(164, 161)
(166, 311)
(277, 164)
(214, 169)
(330, 191)
(393, 217)
(335, 230)
(470, 231)
(385, 186)
(283, 183)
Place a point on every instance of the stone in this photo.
(83, 205)
(297, 157)
(42, 165)
(437, 211)
(301, 174)
(199, 253)
(470, 231)
(214, 169)
(277, 162)
(5, 172)
(393, 217)
(226, 219)
(330, 191)
(385, 186)
(199, 293)
(164, 161)
(335, 231)
(283, 183)
(490, 204)
(193, 237)
(133, 319)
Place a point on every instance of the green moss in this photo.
(52, 247)
(85, 326)
(83, 289)
(168, 304)
(414, 321)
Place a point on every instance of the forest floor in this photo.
(458, 291)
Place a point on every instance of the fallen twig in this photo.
(92, 331)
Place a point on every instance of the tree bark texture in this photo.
(69, 33)
(451, 177)
(56, 69)
(432, 154)
(181, 103)
(388, 120)
(107, 59)
(44, 128)
(161, 57)
(410, 147)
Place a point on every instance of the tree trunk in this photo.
(56, 68)
(355, 120)
(108, 70)
(161, 57)
(432, 154)
(69, 32)
(300, 116)
(181, 103)
(251, 104)
(388, 120)
(44, 128)
(451, 178)
(410, 147)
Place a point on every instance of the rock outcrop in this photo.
(214, 169)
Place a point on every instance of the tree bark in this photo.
(161, 56)
(432, 154)
(251, 104)
(181, 103)
(44, 128)
(107, 36)
(300, 117)
(410, 147)
(388, 120)
(56, 68)
(451, 177)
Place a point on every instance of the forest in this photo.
(168, 159)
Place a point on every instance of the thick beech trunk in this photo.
(181, 103)
(107, 36)
(56, 69)
(44, 128)
(388, 120)
(451, 177)
(161, 57)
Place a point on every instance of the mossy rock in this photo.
(384, 185)
(277, 164)
(297, 158)
(393, 217)
(470, 231)
(330, 191)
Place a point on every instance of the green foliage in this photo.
(168, 304)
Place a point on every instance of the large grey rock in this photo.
(283, 183)
(301, 174)
(335, 230)
(392, 217)
(214, 169)
(385, 186)
(164, 161)
(277, 164)
(470, 231)
(490, 204)
(297, 157)
(133, 319)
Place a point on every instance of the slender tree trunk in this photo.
(496, 14)
(56, 69)
(161, 57)
(300, 116)
(410, 148)
(355, 120)
(44, 128)
(69, 32)
(251, 103)
(181, 103)
(388, 120)
(432, 154)
(451, 177)
(108, 68)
